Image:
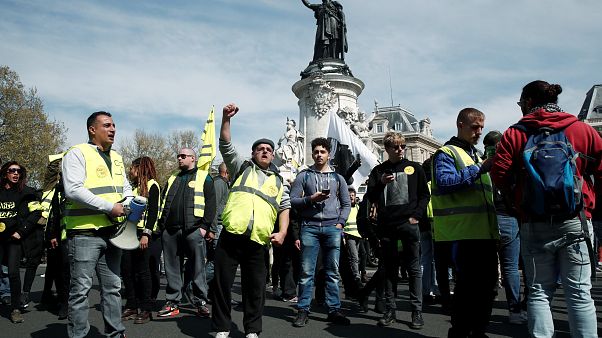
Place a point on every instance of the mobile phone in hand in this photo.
(388, 171)
(326, 191)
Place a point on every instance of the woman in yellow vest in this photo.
(135, 268)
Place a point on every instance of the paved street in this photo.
(278, 317)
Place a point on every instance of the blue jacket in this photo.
(445, 173)
(329, 212)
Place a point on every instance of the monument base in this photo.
(326, 86)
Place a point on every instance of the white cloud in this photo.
(160, 63)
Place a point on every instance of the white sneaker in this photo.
(223, 334)
(516, 318)
(252, 335)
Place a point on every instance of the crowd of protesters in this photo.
(455, 226)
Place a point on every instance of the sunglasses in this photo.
(14, 170)
(398, 146)
(183, 156)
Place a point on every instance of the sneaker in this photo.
(301, 319)
(203, 311)
(363, 302)
(63, 311)
(129, 314)
(293, 299)
(222, 334)
(16, 316)
(516, 318)
(387, 319)
(338, 318)
(6, 300)
(170, 310)
(24, 300)
(143, 317)
(417, 321)
(251, 335)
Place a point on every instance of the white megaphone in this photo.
(125, 237)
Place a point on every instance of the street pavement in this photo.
(278, 316)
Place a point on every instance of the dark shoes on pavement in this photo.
(417, 321)
(63, 311)
(301, 319)
(128, 314)
(203, 311)
(143, 317)
(337, 317)
(363, 302)
(387, 319)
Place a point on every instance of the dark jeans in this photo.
(409, 234)
(10, 250)
(135, 272)
(233, 250)
(476, 277)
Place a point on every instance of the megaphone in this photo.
(126, 237)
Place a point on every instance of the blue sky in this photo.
(160, 65)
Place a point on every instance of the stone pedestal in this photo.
(326, 86)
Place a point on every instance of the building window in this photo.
(381, 156)
(398, 126)
(379, 128)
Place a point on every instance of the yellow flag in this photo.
(208, 149)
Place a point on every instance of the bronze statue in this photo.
(331, 33)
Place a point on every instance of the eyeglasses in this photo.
(14, 170)
(397, 146)
(183, 156)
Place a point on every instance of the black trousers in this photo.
(476, 277)
(135, 272)
(443, 261)
(155, 248)
(409, 234)
(286, 268)
(233, 250)
(10, 252)
(33, 248)
(57, 272)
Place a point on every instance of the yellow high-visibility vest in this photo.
(251, 209)
(142, 221)
(102, 182)
(351, 224)
(467, 213)
(197, 185)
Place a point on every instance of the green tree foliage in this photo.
(27, 135)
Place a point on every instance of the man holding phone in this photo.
(399, 189)
(321, 198)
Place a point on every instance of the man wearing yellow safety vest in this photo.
(188, 211)
(258, 198)
(464, 215)
(399, 189)
(95, 182)
(353, 241)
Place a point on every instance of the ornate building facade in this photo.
(420, 143)
(591, 111)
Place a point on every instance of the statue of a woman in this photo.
(331, 33)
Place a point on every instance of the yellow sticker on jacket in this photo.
(2, 227)
(101, 171)
(408, 170)
(192, 184)
(272, 191)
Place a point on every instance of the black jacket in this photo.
(15, 214)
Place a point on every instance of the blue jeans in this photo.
(89, 255)
(427, 261)
(508, 253)
(548, 251)
(314, 238)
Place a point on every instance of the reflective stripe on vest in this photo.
(47, 202)
(351, 224)
(251, 210)
(142, 221)
(199, 195)
(102, 182)
(465, 214)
